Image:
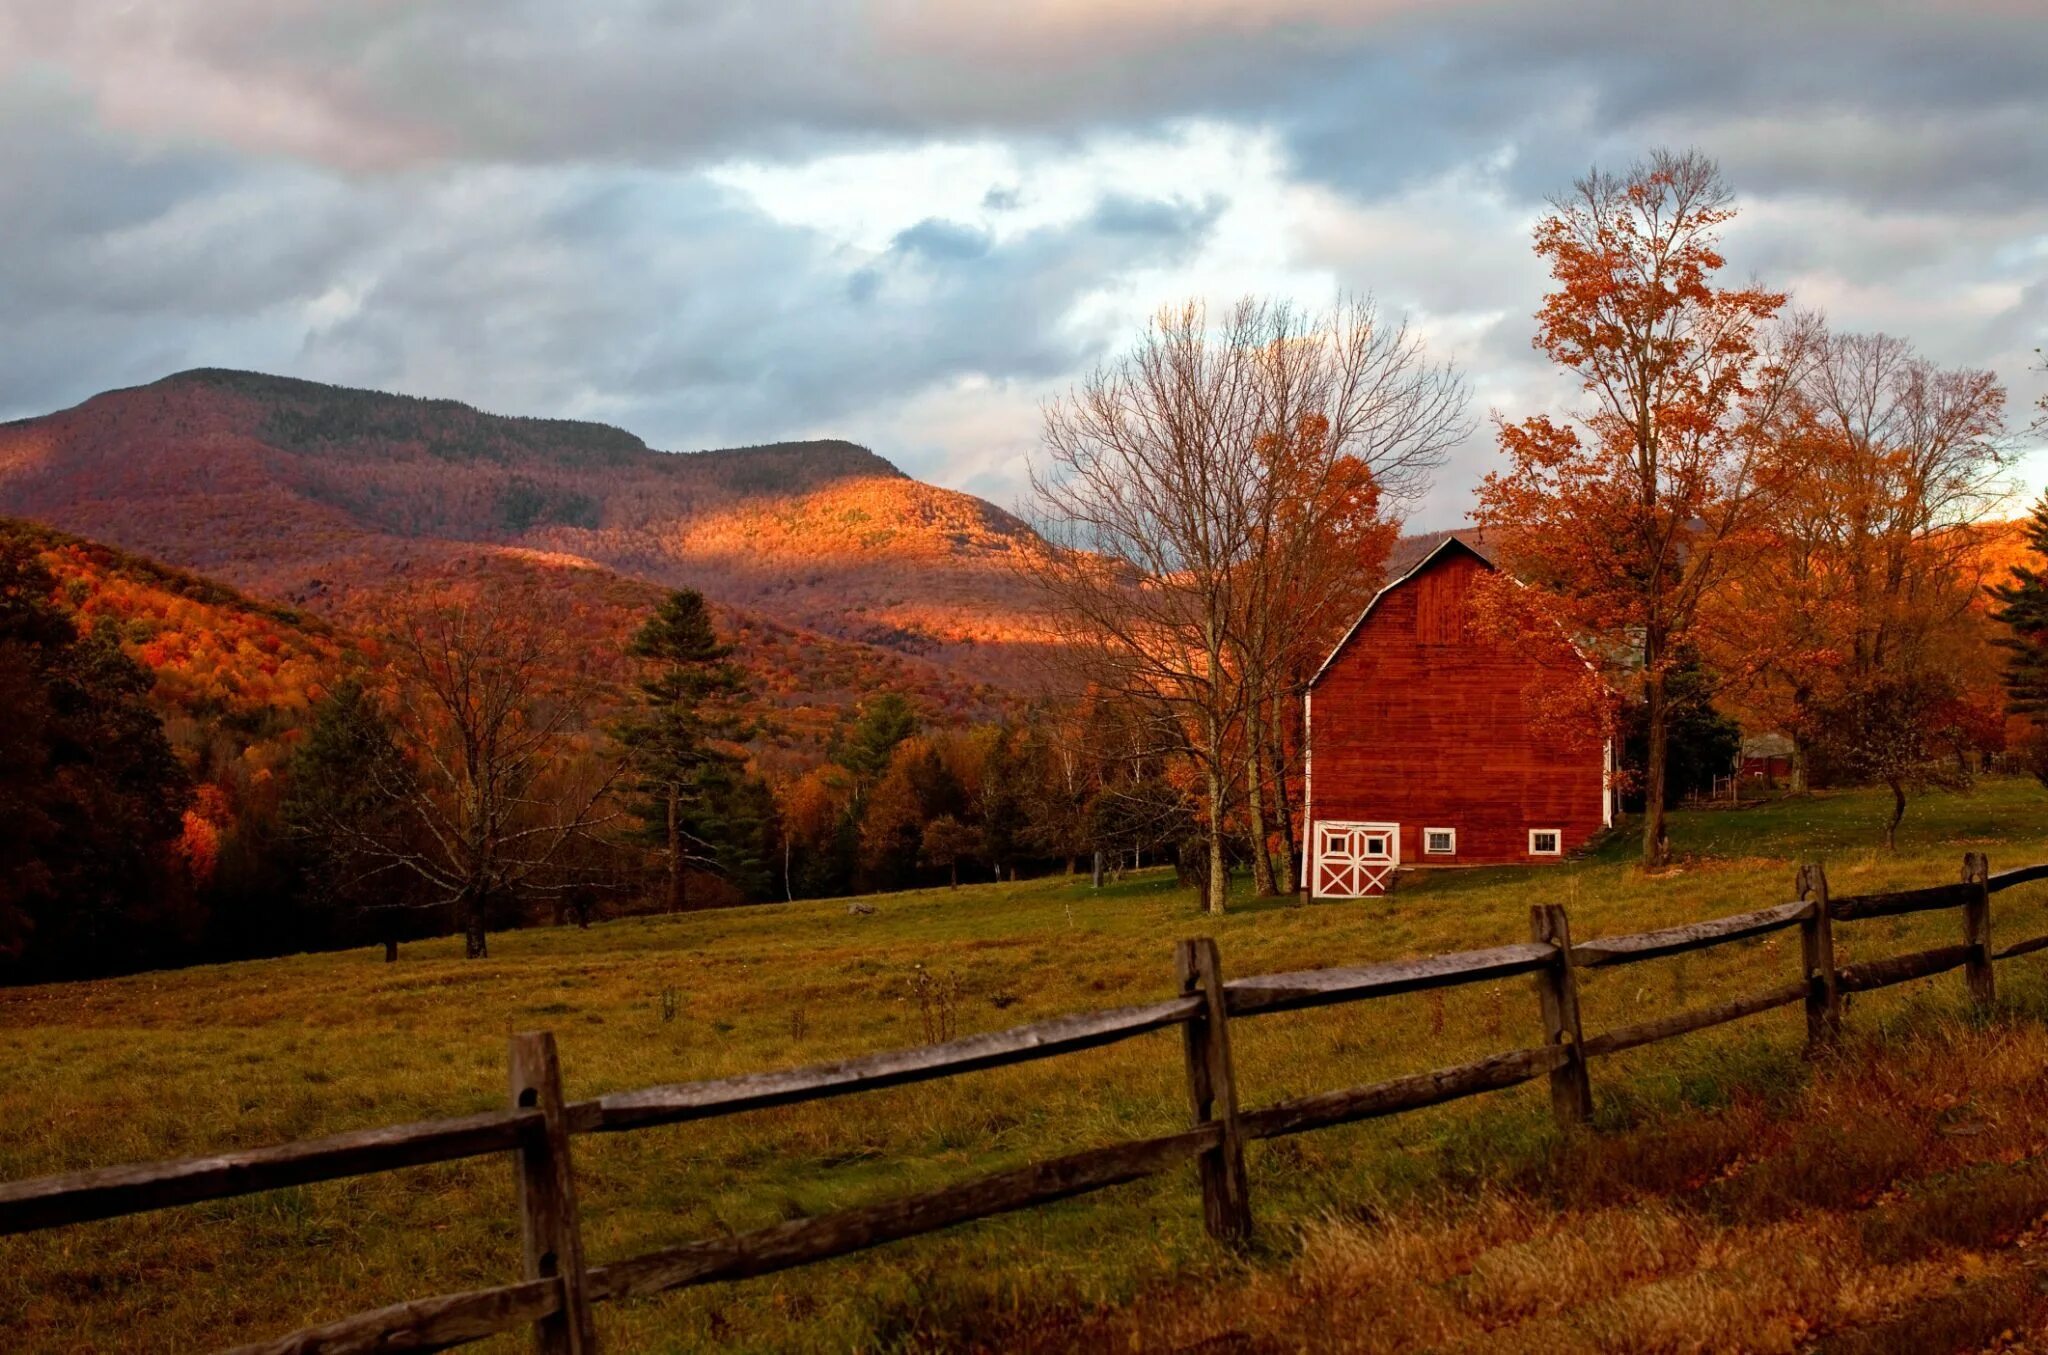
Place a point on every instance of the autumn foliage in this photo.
(1618, 521)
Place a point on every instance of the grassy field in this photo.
(1493, 1226)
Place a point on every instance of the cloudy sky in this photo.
(907, 222)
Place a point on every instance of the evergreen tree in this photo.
(91, 794)
(343, 811)
(2023, 607)
(866, 748)
(671, 741)
(735, 817)
(1701, 742)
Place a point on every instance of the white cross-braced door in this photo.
(1353, 860)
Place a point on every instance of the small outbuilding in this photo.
(1420, 747)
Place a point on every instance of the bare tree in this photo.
(490, 805)
(1358, 416)
(1181, 482)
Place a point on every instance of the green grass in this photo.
(166, 1064)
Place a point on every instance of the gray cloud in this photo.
(654, 300)
(1373, 95)
(507, 202)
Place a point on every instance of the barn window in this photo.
(1546, 842)
(1376, 845)
(1440, 841)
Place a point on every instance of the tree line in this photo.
(479, 768)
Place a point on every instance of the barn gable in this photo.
(1420, 746)
(1409, 558)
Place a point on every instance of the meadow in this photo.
(1727, 1180)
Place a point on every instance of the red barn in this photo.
(1420, 747)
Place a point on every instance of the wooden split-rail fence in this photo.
(561, 1287)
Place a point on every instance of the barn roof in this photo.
(1410, 552)
(1410, 556)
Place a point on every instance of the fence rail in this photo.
(558, 1290)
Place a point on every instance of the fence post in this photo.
(1817, 958)
(1977, 927)
(1212, 1093)
(550, 1232)
(1571, 1091)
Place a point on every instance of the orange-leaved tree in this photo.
(1851, 617)
(1320, 544)
(1616, 520)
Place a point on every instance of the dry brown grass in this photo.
(1898, 1202)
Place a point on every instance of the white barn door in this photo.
(1353, 860)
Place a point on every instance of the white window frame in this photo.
(1556, 836)
(1450, 833)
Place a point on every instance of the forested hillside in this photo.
(302, 491)
(162, 718)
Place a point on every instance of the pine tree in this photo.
(345, 806)
(2023, 606)
(671, 742)
(734, 816)
(866, 748)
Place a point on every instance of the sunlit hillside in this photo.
(296, 490)
(235, 675)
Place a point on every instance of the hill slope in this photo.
(307, 492)
(235, 675)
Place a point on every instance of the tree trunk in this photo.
(1219, 884)
(1891, 830)
(675, 848)
(1283, 815)
(1283, 799)
(1255, 810)
(1655, 849)
(475, 946)
(390, 952)
(955, 869)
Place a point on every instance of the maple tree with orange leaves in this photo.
(1617, 521)
(1852, 618)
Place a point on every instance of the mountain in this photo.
(325, 497)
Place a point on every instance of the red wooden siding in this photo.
(1417, 721)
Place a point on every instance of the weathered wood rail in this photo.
(559, 1289)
